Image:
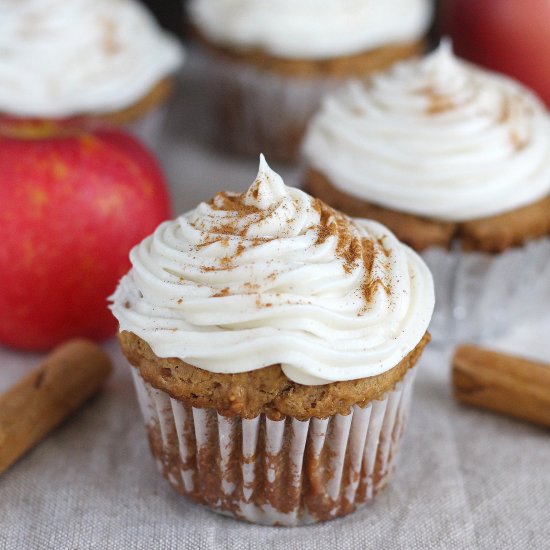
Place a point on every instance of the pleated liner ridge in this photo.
(276, 472)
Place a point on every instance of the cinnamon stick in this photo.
(502, 383)
(68, 376)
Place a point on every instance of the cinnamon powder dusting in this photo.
(505, 111)
(326, 227)
(368, 254)
(224, 241)
(110, 43)
(382, 248)
(517, 142)
(350, 247)
(255, 189)
(335, 224)
(369, 287)
(232, 202)
(222, 293)
(437, 103)
(505, 116)
(226, 265)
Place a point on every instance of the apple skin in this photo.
(73, 202)
(508, 36)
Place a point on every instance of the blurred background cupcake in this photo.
(98, 59)
(272, 61)
(447, 155)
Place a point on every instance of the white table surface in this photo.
(465, 478)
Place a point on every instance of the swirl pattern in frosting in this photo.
(436, 137)
(61, 58)
(273, 276)
(311, 28)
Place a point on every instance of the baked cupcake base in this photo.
(338, 67)
(265, 102)
(270, 468)
(491, 234)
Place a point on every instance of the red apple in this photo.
(509, 36)
(72, 204)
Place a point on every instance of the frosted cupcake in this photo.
(99, 59)
(443, 153)
(274, 342)
(272, 60)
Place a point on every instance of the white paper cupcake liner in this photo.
(262, 111)
(276, 472)
(481, 295)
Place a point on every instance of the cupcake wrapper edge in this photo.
(276, 472)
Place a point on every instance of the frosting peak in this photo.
(267, 188)
(273, 276)
(435, 137)
(442, 56)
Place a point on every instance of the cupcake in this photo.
(272, 61)
(97, 59)
(446, 155)
(274, 343)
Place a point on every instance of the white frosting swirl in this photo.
(273, 276)
(61, 58)
(311, 28)
(435, 137)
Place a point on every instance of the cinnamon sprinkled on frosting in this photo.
(435, 137)
(350, 247)
(274, 276)
(335, 224)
